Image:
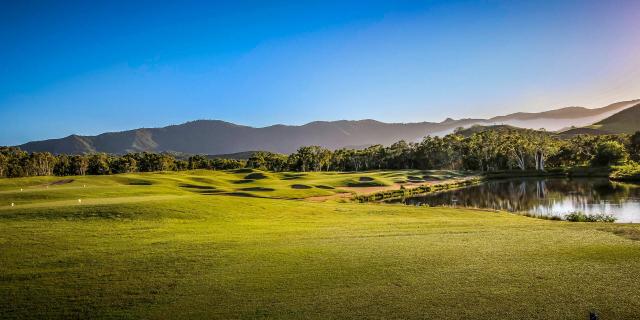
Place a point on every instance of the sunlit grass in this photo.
(146, 246)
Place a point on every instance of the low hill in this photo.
(558, 119)
(626, 121)
(585, 130)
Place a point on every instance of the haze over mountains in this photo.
(219, 137)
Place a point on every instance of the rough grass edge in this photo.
(400, 193)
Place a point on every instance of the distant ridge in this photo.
(625, 121)
(220, 137)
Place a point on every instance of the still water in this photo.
(550, 197)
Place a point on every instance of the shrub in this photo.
(630, 171)
(582, 217)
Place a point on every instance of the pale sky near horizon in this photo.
(90, 67)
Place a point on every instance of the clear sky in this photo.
(88, 67)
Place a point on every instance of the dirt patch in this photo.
(337, 196)
(59, 182)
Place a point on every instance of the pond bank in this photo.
(421, 189)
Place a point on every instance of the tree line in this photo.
(18, 163)
(485, 151)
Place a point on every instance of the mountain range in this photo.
(625, 121)
(220, 137)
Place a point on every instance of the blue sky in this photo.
(88, 67)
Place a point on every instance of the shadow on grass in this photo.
(203, 180)
(243, 181)
(300, 186)
(255, 176)
(140, 183)
(293, 176)
(195, 186)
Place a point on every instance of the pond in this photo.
(545, 197)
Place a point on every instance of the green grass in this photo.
(160, 250)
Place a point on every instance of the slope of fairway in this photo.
(242, 182)
(193, 255)
(181, 245)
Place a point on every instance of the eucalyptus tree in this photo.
(610, 153)
(79, 165)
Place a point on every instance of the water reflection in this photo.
(553, 197)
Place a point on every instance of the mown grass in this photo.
(245, 181)
(173, 252)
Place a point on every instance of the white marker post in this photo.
(12, 204)
(80, 201)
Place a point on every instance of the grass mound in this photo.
(293, 176)
(195, 186)
(258, 189)
(255, 176)
(140, 183)
(365, 184)
(203, 180)
(241, 194)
